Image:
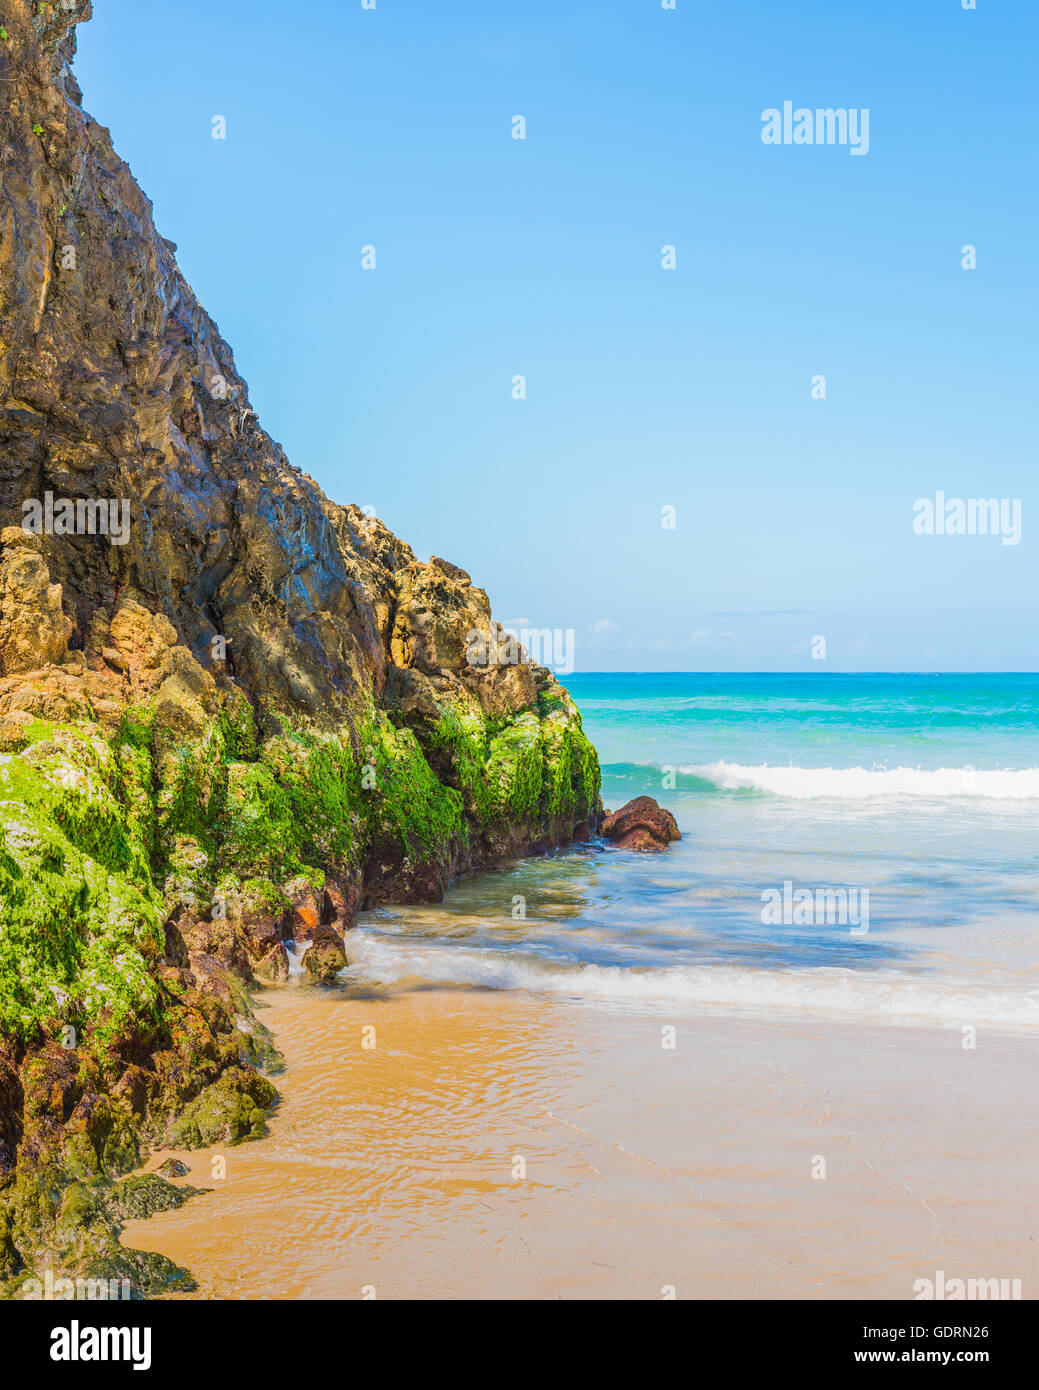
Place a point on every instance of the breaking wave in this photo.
(857, 783)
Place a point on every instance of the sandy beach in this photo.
(490, 1144)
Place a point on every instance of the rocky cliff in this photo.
(232, 712)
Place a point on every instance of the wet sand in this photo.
(499, 1145)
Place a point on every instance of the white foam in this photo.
(295, 950)
(852, 783)
(850, 993)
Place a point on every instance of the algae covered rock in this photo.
(274, 966)
(80, 925)
(325, 957)
(229, 1111)
(74, 1237)
(146, 1194)
(172, 1168)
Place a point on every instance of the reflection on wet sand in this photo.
(463, 1143)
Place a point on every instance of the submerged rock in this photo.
(641, 824)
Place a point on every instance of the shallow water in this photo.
(487, 1144)
(942, 839)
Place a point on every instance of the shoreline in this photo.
(493, 1144)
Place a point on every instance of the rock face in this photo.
(641, 824)
(33, 629)
(231, 711)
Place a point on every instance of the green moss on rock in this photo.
(229, 1111)
(407, 800)
(79, 917)
(75, 1236)
(145, 1194)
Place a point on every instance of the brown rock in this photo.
(504, 689)
(172, 1168)
(325, 957)
(185, 702)
(115, 381)
(13, 730)
(304, 909)
(135, 1086)
(274, 965)
(107, 711)
(641, 824)
(452, 571)
(141, 636)
(257, 912)
(34, 630)
(262, 931)
(341, 903)
(210, 975)
(115, 659)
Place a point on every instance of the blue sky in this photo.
(646, 388)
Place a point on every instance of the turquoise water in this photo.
(921, 792)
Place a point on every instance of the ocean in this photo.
(859, 846)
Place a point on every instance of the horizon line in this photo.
(797, 673)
